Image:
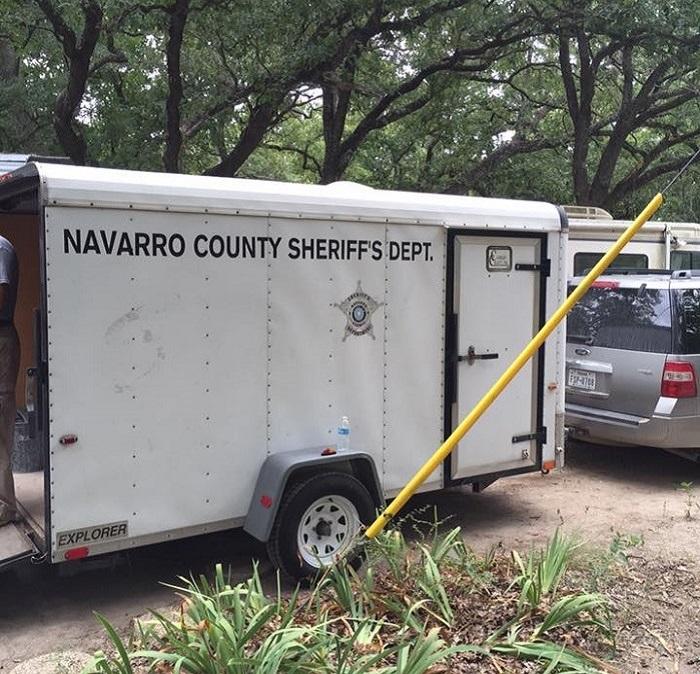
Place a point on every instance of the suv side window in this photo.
(634, 319)
(688, 301)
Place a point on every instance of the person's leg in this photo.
(7, 485)
(9, 363)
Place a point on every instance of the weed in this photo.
(690, 500)
(621, 543)
(599, 563)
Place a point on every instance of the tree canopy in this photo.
(573, 101)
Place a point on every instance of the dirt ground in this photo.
(601, 494)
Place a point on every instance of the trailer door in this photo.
(497, 299)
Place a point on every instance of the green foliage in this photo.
(568, 611)
(554, 657)
(338, 77)
(542, 572)
(598, 564)
(690, 499)
(399, 616)
(120, 663)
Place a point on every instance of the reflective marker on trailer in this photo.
(76, 553)
(69, 439)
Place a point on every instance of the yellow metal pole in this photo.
(528, 352)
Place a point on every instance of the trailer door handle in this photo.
(471, 356)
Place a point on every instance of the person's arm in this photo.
(5, 275)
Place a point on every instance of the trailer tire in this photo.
(316, 523)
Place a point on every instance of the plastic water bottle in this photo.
(344, 434)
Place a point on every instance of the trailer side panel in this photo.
(156, 370)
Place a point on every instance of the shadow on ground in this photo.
(640, 465)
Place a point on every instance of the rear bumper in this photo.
(613, 428)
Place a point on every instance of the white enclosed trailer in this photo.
(196, 341)
(658, 245)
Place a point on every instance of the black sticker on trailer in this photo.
(499, 258)
(100, 533)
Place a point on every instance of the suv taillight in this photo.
(678, 380)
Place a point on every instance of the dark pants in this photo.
(9, 366)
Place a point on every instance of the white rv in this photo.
(196, 342)
(658, 245)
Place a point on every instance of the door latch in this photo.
(471, 356)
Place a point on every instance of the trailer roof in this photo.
(110, 188)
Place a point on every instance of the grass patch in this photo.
(427, 607)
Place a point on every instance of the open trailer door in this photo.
(20, 223)
(498, 299)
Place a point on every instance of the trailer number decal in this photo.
(358, 309)
(97, 534)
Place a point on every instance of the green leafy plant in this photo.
(400, 615)
(554, 657)
(101, 664)
(540, 573)
(577, 610)
(430, 582)
(599, 563)
(690, 501)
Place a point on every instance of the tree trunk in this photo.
(173, 134)
(336, 101)
(9, 62)
(78, 53)
(259, 122)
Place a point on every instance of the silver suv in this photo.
(632, 358)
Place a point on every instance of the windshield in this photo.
(635, 319)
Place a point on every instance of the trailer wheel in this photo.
(317, 523)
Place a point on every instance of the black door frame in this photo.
(451, 354)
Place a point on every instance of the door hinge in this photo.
(545, 267)
(540, 436)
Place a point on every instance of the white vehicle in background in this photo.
(658, 245)
(10, 162)
(191, 344)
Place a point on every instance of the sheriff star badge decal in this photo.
(358, 309)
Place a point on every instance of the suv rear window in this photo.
(634, 319)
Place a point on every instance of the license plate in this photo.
(584, 379)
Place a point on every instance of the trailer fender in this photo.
(284, 468)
